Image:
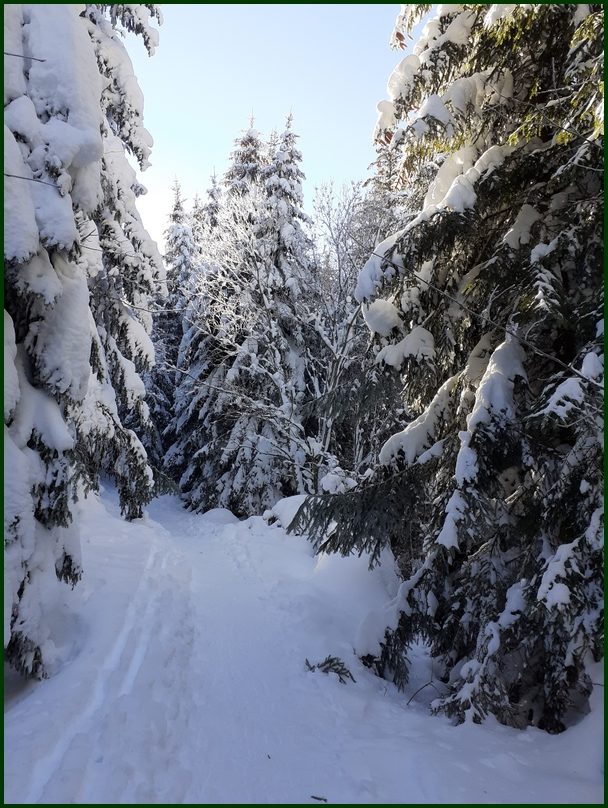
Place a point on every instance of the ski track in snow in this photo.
(189, 686)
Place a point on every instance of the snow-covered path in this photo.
(181, 678)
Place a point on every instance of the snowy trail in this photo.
(185, 682)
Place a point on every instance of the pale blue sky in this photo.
(216, 64)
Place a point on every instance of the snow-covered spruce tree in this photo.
(201, 353)
(78, 265)
(209, 211)
(489, 304)
(203, 218)
(181, 258)
(180, 254)
(246, 161)
(241, 443)
(197, 219)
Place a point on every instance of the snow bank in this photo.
(218, 516)
(174, 651)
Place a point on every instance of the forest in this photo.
(406, 376)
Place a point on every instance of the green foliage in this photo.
(490, 495)
(335, 665)
(79, 342)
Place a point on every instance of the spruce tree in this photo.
(181, 259)
(488, 304)
(246, 162)
(241, 441)
(79, 269)
(203, 217)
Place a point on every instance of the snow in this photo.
(284, 511)
(138, 340)
(419, 434)
(372, 273)
(381, 316)
(37, 412)
(582, 11)
(14, 80)
(519, 233)
(39, 276)
(12, 392)
(433, 107)
(454, 184)
(454, 512)
(20, 228)
(467, 91)
(466, 460)
(337, 481)
(494, 397)
(68, 79)
(460, 196)
(387, 117)
(554, 593)
(19, 513)
(541, 250)
(478, 360)
(498, 12)
(564, 398)
(452, 167)
(593, 366)
(515, 605)
(402, 78)
(63, 336)
(20, 117)
(180, 677)
(64, 90)
(419, 344)
(457, 33)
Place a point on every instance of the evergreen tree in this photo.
(179, 256)
(488, 303)
(241, 441)
(246, 163)
(181, 259)
(125, 280)
(197, 219)
(79, 268)
(203, 217)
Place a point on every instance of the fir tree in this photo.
(79, 269)
(488, 302)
